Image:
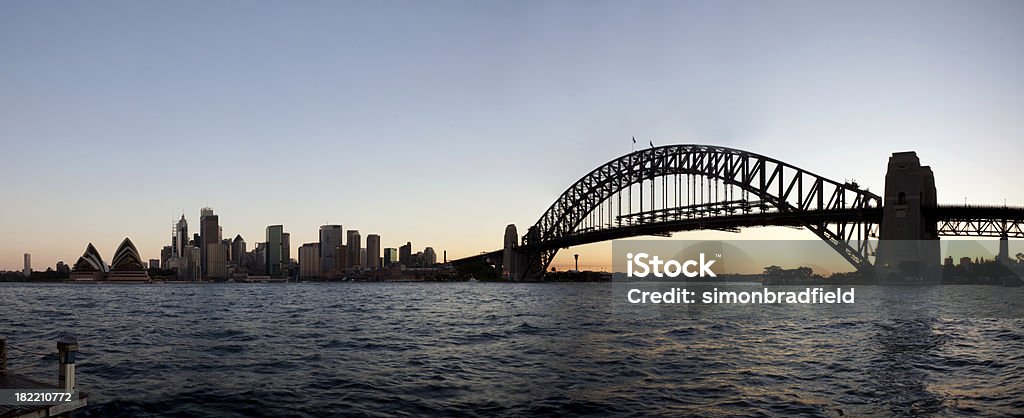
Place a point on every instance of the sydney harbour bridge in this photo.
(667, 189)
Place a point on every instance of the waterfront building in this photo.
(355, 245)
(180, 237)
(405, 254)
(216, 260)
(286, 247)
(209, 233)
(341, 257)
(309, 260)
(390, 257)
(28, 264)
(90, 266)
(238, 250)
(154, 263)
(274, 250)
(429, 257)
(373, 251)
(331, 237)
(126, 266)
(165, 256)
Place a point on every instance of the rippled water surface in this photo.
(519, 349)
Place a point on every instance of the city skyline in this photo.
(399, 122)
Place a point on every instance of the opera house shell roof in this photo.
(90, 261)
(126, 266)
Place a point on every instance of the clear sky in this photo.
(439, 122)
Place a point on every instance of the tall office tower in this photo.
(405, 254)
(286, 247)
(429, 257)
(341, 258)
(373, 251)
(165, 256)
(355, 245)
(274, 250)
(154, 263)
(331, 237)
(216, 260)
(309, 260)
(259, 257)
(28, 264)
(180, 238)
(209, 233)
(390, 257)
(238, 250)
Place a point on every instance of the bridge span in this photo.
(675, 188)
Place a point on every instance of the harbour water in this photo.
(431, 349)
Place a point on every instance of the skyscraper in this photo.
(309, 260)
(355, 246)
(286, 247)
(429, 257)
(209, 233)
(373, 251)
(28, 264)
(238, 250)
(274, 250)
(180, 238)
(390, 257)
(331, 237)
(405, 254)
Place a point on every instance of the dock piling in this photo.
(66, 349)
(3, 355)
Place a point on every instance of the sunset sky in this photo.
(440, 122)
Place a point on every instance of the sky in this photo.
(440, 122)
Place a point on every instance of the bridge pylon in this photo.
(908, 243)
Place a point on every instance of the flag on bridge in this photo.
(652, 144)
(634, 140)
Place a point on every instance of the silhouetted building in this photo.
(238, 250)
(275, 250)
(341, 257)
(405, 254)
(28, 264)
(429, 257)
(286, 247)
(373, 251)
(180, 237)
(309, 260)
(331, 237)
(390, 257)
(154, 263)
(355, 246)
(216, 260)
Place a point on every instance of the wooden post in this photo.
(66, 349)
(3, 355)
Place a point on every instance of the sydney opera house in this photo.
(126, 266)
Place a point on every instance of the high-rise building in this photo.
(216, 260)
(28, 264)
(165, 256)
(405, 254)
(274, 250)
(355, 246)
(180, 238)
(286, 247)
(238, 250)
(390, 257)
(373, 251)
(429, 257)
(309, 260)
(331, 237)
(209, 233)
(341, 257)
(154, 263)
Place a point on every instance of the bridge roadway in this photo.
(951, 220)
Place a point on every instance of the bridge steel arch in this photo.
(841, 214)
